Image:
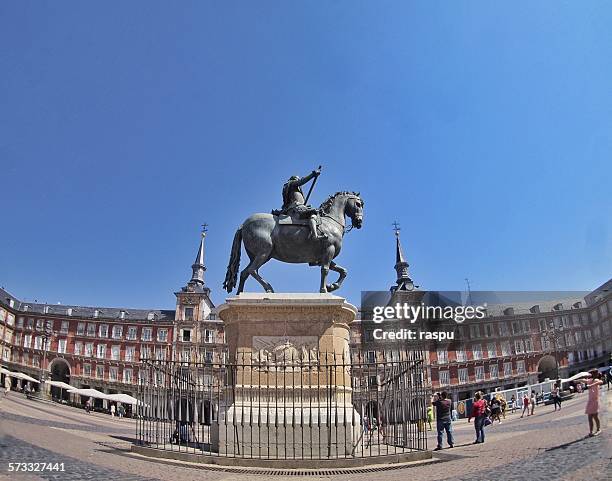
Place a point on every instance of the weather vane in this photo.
(396, 227)
(204, 229)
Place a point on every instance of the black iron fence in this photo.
(285, 406)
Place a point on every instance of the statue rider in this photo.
(294, 203)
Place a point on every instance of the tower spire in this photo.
(198, 267)
(403, 282)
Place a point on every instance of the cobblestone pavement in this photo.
(545, 446)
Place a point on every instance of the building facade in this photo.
(104, 348)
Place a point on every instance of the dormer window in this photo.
(122, 315)
(11, 303)
(26, 308)
(69, 311)
(96, 313)
(189, 313)
(151, 316)
(46, 310)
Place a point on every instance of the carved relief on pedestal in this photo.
(274, 353)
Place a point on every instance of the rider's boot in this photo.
(313, 229)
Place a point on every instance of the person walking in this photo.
(479, 413)
(532, 402)
(525, 405)
(443, 406)
(121, 411)
(88, 406)
(112, 410)
(7, 385)
(556, 395)
(430, 414)
(592, 405)
(512, 404)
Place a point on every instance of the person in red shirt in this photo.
(479, 413)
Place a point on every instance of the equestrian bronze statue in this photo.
(297, 234)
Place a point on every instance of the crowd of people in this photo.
(485, 411)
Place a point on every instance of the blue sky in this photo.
(484, 128)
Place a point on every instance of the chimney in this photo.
(558, 307)
(535, 309)
(577, 305)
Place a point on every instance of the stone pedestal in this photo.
(291, 386)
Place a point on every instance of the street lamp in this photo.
(47, 335)
(553, 336)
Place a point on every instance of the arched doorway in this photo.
(60, 371)
(547, 368)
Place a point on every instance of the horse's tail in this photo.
(231, 276)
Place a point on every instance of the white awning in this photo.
(89, 393)
(59, 384)
(25, 377)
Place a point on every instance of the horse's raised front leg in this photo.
(326, 260)
(251, 270)
(340, 270)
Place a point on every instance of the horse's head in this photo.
(342, 204)
(354, 210)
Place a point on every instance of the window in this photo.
(528, 345)
(507, 369)
(25, 359)
(18, 339)
(145, 352)
(373, 382)
(80, 329)
(520, 367)
(493, 371)
(113, 373)
(208, 355)
(186, 355)
(27, 340)
(463, 375)
(477, 351)
(491, 350)
(503, 329)
(371, 356)
(64, 327)
(518, 346)
(101, 351)
(474, 331)
(542, 324)
(147, 333)
(444, 378)
(569, 339)
(442, 356)
(489, 330)
(115, 353)
(127, 375)
(89, 349)
(506, 350)
(91, 330)
(142, 376)
(100, 372)
(103, 331)
(30, 323)
(189, 313)
(117, 332)
(38, 342)
(61, 346)
(460, 354)
(162, 335)
(36, 360)
(130, 353)
(516, 327)
(20, 322)
(160, 353)
(132, 333)
(186, 337)
(479, 373)
(526, 325)
(87, 370)
(78, 348)
(209, 336)
(39, 324)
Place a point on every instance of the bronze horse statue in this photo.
(264, 239)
